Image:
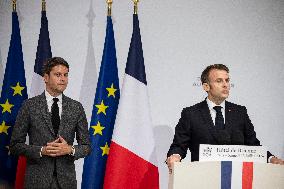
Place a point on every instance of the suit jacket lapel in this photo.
(208, 120)
(45, 113)
(228, 115)
(219, 136)
(206, 114)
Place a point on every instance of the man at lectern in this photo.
(213, 121)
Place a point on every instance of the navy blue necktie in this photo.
(219, 120)
(55, 119)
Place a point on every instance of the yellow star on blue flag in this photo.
(98, 129)
(111, 91)
(101, 108)
(4, 128)
(17, 89)
(105, 149)
(7, 107)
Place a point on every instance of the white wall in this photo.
(180, 38)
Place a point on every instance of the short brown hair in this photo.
(52, 62)
(205, 73)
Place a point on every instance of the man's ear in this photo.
(206, 87)
(45, 78)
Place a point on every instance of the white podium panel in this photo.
(210, 175)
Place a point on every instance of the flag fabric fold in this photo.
(14, 92)
(103, 114)
(132, 159)
(37, 86)
(42, 54)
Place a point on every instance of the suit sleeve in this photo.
(182, 136)
(18, 139)
(250, 135)
(82, 135)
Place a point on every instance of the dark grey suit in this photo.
(35, 120)
(196, 127)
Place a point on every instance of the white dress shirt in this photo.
(49, 100)
(213, 112)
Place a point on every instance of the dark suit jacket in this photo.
(196, 127)
(35, 120)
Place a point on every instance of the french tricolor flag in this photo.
(249, 175)
(42, 54)
(132, 160)
(236, 175)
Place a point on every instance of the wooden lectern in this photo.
(207, 175)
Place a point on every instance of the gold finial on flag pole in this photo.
(43, 5)
(109, 3)
(135, 6)
(14, 5)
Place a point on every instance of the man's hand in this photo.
(58, 147)
(276, 160)
(171, 160)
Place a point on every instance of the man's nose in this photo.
(63, 78)
(226, 84)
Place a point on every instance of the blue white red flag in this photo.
(132, 159)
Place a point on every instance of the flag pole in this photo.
(135, 6)
(109, 3)
(43, 5)
(14, 5)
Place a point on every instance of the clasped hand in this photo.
(58, 147)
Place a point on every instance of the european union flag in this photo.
(103, 115)
(14, 92)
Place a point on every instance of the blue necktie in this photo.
(219, 120)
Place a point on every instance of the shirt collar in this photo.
(212, 104)
(50, 98)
